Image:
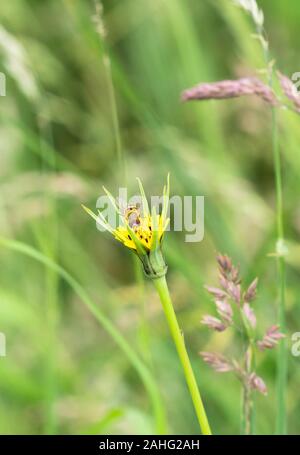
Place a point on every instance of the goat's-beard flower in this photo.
(143, 232)
(140, 230)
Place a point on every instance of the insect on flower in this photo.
(133, 215)
(140, 230)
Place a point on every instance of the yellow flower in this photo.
(141, 231)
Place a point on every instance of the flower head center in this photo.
(133, 216)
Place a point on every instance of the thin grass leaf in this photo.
(146, 210)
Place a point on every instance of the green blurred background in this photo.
(63, 372)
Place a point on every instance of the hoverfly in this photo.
(131, 213)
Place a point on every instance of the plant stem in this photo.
(281, 426)
(281, 359)
(247, 409)
(278, 178)
(253, 367)
(46, 234)
(100, 28)
(115, 119)
(247, 396)
(163, 291)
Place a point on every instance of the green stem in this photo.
(248, 400)
(46, 234)
(278, 178)
(247, 410)
(253, 416)
(115, 118)
(111, 90)
(281, 359)
(247, 395)
(163, 291)
(282, 367)
(281, 426)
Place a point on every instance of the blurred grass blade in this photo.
(142, 370)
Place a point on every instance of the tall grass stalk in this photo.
(121, 158)
(163, 291)
(247, 428)
(281, 425)
(248, 408)
(100, 27)
(115, 118)
(47, 237)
